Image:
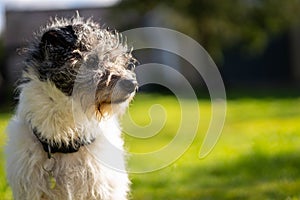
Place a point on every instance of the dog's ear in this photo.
(58, 38)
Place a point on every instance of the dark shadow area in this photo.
(263, 93)
(254, 176)
(251, 177)
(280, 92)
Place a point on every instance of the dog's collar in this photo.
(72, 147)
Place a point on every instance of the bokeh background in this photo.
(254, 43)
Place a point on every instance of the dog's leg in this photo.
(22, 153)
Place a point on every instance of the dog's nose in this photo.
(128, 85)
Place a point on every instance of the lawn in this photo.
(256, 157)
(5, 193)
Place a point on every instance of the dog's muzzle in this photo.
(123, 90)
(127, 85)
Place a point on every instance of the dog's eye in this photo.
(131, 66)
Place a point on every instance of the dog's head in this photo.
(84, 60)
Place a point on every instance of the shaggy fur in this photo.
(78, 79)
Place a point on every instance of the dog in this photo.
(64, 141)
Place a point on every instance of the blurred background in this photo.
(254, 43)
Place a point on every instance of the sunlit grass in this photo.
(5, 192)
(257, 156)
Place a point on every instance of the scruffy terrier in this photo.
(64, 140)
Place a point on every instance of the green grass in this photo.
(257, 156)
(5, 193)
